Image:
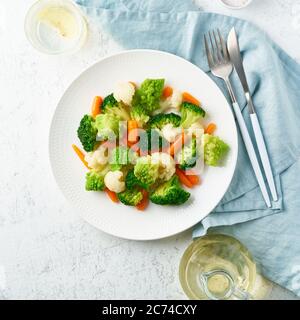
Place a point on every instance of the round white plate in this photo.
(95, 207)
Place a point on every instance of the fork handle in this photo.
(251, 152)
(263, 154)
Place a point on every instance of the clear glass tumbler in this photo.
(55, 26)
(219, 267)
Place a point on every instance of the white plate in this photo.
(119, 220)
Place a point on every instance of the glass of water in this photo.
(55, 26)
(219, 267)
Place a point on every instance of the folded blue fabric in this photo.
(274, 78)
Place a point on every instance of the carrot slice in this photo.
(183, 178)
(112, 195)
(132, 127)
(187, 97)
(96, 106)
(144, 202)
(193, 178)
(211, 128)
(80, 155)
(167, 92)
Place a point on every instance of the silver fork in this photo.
(221, 66)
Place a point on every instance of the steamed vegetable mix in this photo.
(142, 144)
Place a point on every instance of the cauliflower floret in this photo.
(196, 129)
(114, 181)
(124, 92)
(174, 101)
(166, 165)
(170, 133)
(96, 159)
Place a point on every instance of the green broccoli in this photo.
(170, 193)
(122, 156)
(160, 120)
(190, 113)
(112, 106)
(153, 141)
(138, 111)
(145, 171)
(131, 181)
(95, 179)
(187, 157)
(109, 102)
(87, 133)
(130, 197)
(107, 126)
(214, 149)
(150, 93)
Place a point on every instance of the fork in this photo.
(221, 67)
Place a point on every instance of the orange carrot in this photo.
(211, 128)
(132, 127)
(177, 144)
(187, 97)
(113, 196)
(194, 179)
(134, 147)
(144, 202)
(80, 155)
(183, 178)
(96, 106)
(167, 92)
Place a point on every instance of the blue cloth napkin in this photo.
(272, 235)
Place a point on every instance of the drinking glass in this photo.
(219, 267)
(55, 26)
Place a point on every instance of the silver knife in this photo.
(235, 56)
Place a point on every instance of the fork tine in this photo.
(208, 53)
(215, 57)
(218, 46)
(224, 47)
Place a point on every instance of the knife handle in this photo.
(263, 154)
(251, 153)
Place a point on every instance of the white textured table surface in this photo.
(46, 250)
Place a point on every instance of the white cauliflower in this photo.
(172, 102)
(114, 181)
(166, 165)
(124, 92)
(96, 159)
(169, 132)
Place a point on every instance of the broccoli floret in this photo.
(109, 102)
(138, 111)
(154, 141)
(170, 193)
(87, 133)
(132, 181)
(130, 197)
(95, 179)
(112, 106)
(187, 157)
(161, 119)
(145, 171)
(122, 156)
(107, 126)
(190, 113)
(214, 149)
(150, 93)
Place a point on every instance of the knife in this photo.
(235, 56)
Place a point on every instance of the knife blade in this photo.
(236, 59)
